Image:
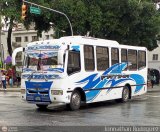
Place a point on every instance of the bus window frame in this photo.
(139, 68)
(117, 56)
(133, 69)
(92, 59)
(80, 68)
(126, 58)
(107, 58)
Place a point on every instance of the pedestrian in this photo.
(11, 82)
(153, 80)
(18, 80)
(4, 81)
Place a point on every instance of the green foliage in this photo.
(1, 64)
(11, 10)
(133, 22)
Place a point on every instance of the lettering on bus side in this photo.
(114, 76)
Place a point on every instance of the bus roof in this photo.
(132, 47)
(88, 41)
(81, 40)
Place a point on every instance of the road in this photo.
(140, 111)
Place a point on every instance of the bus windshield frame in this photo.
(41, 61)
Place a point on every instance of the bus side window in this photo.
(124, 57)
(132, 59)
(89, 58)
(102, 58)
(73, 62)
(114, 56)
(141, 59)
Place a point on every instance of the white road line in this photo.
(153, 96)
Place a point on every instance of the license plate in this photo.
(37, 98)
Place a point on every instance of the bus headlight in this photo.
(57, 92)
(23, 91)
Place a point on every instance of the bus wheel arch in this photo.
(126, 94)
(130, 90)
(82, 93)
(77, 97)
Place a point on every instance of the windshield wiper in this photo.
(31, 76)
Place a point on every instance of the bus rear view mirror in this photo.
(20, 49)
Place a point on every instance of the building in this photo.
(20, 37)
(154, 58)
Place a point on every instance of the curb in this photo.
(156, 90)
(9, 90)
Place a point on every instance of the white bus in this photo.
(76, 69)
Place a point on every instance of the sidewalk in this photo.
(156, 88)
(9, 89)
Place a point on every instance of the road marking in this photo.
(153, 96)
(10, 94)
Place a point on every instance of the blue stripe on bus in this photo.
(93, 82)
(37, 88)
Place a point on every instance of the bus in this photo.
(76, 69)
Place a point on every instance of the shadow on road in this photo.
(92, 106)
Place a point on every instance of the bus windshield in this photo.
(39, 61)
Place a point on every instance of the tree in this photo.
(132, 22)
(11, 10)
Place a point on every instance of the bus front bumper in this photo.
(51, 99)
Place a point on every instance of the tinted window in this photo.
(102, 58)
(141, 59)
(89, 57)
(73, 62)
(114, 56)
(124, 56)
(132, 59)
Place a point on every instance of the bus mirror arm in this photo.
(20, 49)
(31, 76)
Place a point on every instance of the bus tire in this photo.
(75, 101)
(40, 106)
(125, 94)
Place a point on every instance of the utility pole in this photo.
(24, 1)
(1, 33)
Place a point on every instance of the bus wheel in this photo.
(41, 106)
(75, 102)
(125, 94)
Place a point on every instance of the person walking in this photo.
(11, 82)
(18, 80)
(153, 80)
(4, 81)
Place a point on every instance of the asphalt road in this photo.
(140, 111)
